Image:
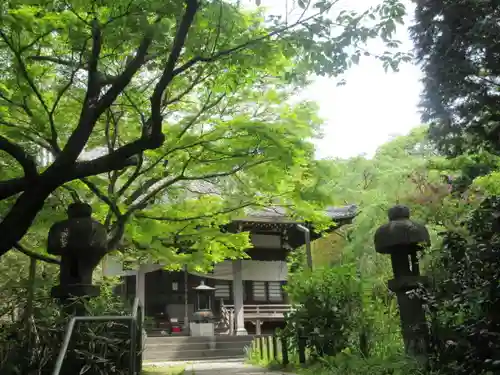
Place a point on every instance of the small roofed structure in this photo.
(274, 220)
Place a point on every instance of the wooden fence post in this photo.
(284, 352)
(261, 347)
(275, 347)
(302, 349)
(268, 349)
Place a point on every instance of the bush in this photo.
(350, 364)
(464, 303)
(327, 303)
(95, 348)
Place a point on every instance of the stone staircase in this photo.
(188, 348)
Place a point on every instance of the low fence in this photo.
(277, 349)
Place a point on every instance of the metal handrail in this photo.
(103, 318)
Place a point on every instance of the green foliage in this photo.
(464, 300)
(14, 284)
(349, 364)
(184, 90)
(326, 304)
(406, 170)
(399, 172)
(96, 347)
(456, 43)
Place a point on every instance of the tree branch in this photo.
(78, 139)
(24, 71)
(181, 177)
(247, 44)
(190, 218)
(104, 79)
(154, 132)
(17, 152)
(103, 197)
(80, 170)
(35, 255)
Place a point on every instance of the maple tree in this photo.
(103, 86)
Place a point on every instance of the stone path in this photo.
(226, 368)
(229, 368)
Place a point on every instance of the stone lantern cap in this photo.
(79, 233)
(81, 242)
(203, 287)
(401, 234)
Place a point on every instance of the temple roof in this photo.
(257, 217)
(278, 215)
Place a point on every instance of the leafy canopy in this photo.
(456, 41)
(121, 80)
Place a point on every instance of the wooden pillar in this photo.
(140, 287)
(258, 324)
(238, 298)
(186, 299)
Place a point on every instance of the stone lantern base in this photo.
(413, 322)
(407, 283)
(67, 293)
(75, 291)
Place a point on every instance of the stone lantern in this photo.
(81, 242)
(402, 239)
(202, 323)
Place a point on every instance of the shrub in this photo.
(95, 348)
(464, 302)
(351, 364)
(326, 303)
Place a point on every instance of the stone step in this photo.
(227, 338)
(176, 339)
(169, 346)
(186, 344)
(191, 355)
(242, 345)
(156, 362)
(187, 348)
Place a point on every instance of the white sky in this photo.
(373, 106)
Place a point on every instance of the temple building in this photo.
(248, 295)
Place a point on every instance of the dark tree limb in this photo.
(80, 170)
(35, 255)
(17, 152)
(103, 197)
(65, 168)
(80, 136)
(154, 131)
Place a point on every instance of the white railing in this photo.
(263, 311)
(257, 314)
(227, 317)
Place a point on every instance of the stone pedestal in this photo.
(81, 242)
(202, 329)
(411, 312)
(73, 297)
